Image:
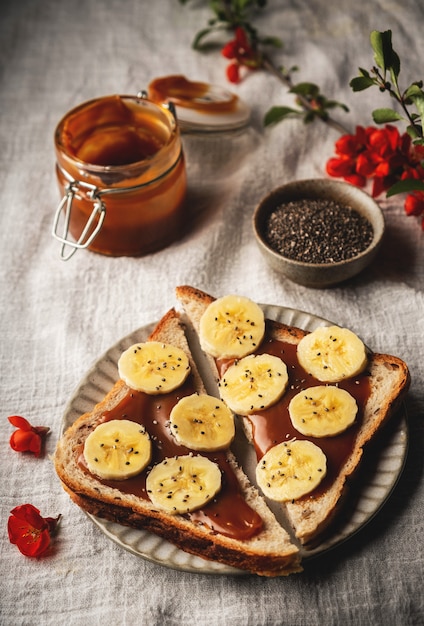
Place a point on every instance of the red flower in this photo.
(344, 165)
(382, 156)
(242, 53)
(29, 531)
(27, 438)
(414, 203)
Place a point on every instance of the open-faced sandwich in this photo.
(156, 452)
(309, 401)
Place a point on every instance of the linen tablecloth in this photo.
(58, 317)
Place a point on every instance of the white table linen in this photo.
(59, 317)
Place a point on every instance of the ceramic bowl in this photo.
(319, 275)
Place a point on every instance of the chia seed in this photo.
(317, 231)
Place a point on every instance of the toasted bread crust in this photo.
(270, 553)
(200, 543)
(389, 382)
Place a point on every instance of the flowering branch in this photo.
(313, 104)
(394, 162)
(247, 51)
(385, 75)
(233, 14)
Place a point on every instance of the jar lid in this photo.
(200, 106)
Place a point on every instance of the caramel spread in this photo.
(190, 95)
(129, 151)
(111, 132)
(228, 513)
(273, 425)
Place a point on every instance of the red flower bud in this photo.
(229, 51)
(242, 52)
(27, 438)
(233, 73)
(241, 38)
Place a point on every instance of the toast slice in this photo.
(379, 392)
(266, 550)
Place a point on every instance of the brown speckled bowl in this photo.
(319, 275)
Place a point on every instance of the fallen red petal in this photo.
(19, 422)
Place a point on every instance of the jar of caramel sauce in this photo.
(121, 172)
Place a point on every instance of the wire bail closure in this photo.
(86, 237)
(77, 230)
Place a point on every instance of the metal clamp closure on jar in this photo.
(99, 211)
(128, 149)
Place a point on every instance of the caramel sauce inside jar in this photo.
(273, 425)
(190, 95)
(228, 513)
(129, 149)
(118, 146)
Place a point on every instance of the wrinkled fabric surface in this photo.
(59, 317)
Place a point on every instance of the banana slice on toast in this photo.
(331, 353)
(153, 367)
(254, 383)
(291, 470)
(117, 450)
(184, 483)
(322, 411)
(231, 327)
(202, 422)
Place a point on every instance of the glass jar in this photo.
(121, 171)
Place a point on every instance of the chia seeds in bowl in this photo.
(318, 233)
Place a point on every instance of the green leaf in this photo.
(272, 41)
(310, 117)
(384, 55)
(377, 45)
(413, 132)
(404, 186)
(418, 100)
(363, 72)
(277, 114)
(215, 6)
(384, 116)
(412, 91)
(381, 43)
(305, 89)
(394, 66)
(199, 37)
(333, 104)
(361, 82)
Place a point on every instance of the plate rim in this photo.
(182, 561)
